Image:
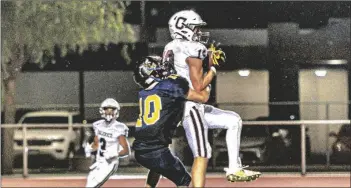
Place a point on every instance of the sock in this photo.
(232, 146)
(240, 126)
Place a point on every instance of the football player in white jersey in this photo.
(187, 51)
(110, 142)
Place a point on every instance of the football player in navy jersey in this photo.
(161, 103)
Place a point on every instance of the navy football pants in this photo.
(163, 162)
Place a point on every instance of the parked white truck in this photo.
(61, 143)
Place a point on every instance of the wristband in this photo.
(208, 88)
(214, 70)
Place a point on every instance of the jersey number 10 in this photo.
(146, 115)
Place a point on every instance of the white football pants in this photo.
(101, 173)
(198, 118)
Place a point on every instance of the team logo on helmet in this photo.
(186, 24)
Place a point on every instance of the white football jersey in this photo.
(108, 133)
(179, 50)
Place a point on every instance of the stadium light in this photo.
(244, 72)
(331, 62)
(337, 62)
(320, 72)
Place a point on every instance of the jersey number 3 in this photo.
(147, 114)
(102, 146)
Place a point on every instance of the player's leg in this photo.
(172, 168)
(197, 135)
(223, 119)
(163, 162)
(100, 174)
(91, 181)
(149, 160)
(152, 179)
(198, 171)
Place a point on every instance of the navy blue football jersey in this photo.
(161, 109)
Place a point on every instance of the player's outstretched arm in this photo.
(125, 145)
(198, 81)
(201, 96)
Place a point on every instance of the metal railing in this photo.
(131, 104)
(302, 124)
(67, 106)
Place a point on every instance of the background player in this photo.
(109, 141)
(161, 104)
(187, 51)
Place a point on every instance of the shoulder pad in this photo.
(195, 49)
(98, 122)
(121, 128)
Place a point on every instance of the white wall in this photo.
(37, 89)
(232, 88)
(116, 84)
(47, 88)
(331, 88)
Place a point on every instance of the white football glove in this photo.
(88, 149)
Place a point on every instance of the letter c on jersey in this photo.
(149, 117)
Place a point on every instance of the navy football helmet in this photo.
(150, 69)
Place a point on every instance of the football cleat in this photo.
(241, 175)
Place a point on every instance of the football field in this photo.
(213, 180)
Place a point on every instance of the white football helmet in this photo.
(185, 24)
(109, 109)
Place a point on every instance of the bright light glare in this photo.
(244, 72)
(320, 73)
(337, 62)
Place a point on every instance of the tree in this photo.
(29, 27)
